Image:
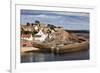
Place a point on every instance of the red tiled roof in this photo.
(25, 36)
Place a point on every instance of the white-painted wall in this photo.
(42, 38)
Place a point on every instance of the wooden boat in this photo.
(63, 48)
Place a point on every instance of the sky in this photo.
(67, 20)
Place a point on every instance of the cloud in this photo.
(38, 12)
(72, 13)
(42, 16)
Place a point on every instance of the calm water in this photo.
(42, 57)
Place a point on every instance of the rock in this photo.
(62, 37)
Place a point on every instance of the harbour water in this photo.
(45, 57)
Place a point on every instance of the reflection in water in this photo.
(43, 57)
(31, 57)
(39, 57)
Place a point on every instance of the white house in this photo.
(36, 28)
(40, 36)
(27, 37)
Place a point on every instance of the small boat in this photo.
(63, 48)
